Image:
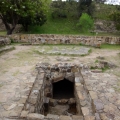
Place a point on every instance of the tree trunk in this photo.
(25, 27)
(9, 31)
(7, 25)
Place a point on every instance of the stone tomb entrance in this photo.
(60, 92)
(63, 89)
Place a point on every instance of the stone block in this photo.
(89, 88)
(52, 117)
(85, 111)
(74, 69)
(103, 116)
(58, 77)
(83, 103)
(32, 109)
(89, 118)
(93, 95)
(77, 80)
(5, 114)
(62, 101)
(97, 116)
(53, 102)
(14, 114)
(71, 101)
(62, 117)
(22, 100)
(98, 105)
(70, 77)
(76, 117)
(24, 114)
(32, 100)
(80, 95)
(79, 87)
(35, 116)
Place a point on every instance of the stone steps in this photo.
(7, 48)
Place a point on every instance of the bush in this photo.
(86, 23)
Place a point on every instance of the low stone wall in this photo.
(62, 39)
(4, 40)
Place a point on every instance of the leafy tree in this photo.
(11, 11)
(86, 6)
(64, 9)
(39, 19)
(86, 22)
(115, 16)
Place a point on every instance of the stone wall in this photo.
(4, 40)
(64, 39)
(95, 41)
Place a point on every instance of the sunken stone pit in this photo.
(62, 92)
(59, 93)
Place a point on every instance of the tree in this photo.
(86, 23)
(64, 9)
(11, 11)
(115, 16)
(86, 6)
(39, 19)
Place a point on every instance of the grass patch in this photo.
(96, 61)
(3, 33)
(102, 11)
(1, 85)
(109, 46)
(105, 69)
(64, 26)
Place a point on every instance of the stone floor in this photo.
(17, 75)
(101, 87)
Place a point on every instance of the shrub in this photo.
(85, 23)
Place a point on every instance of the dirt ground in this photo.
(17, 65)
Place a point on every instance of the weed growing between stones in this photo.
(1, 85)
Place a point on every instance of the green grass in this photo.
(102, 11)
(68, 25)
(57, 26)
(2, 32)
(109, 46)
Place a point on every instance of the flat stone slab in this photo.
(67, 51)
(6, 48)
(62, 117)
(35, 116)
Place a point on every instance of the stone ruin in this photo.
(67, 91)
(36, 39)
(58, 94)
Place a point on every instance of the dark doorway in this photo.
(63, 89)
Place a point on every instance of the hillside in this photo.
(103, 25)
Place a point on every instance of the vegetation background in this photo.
(57, 17)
